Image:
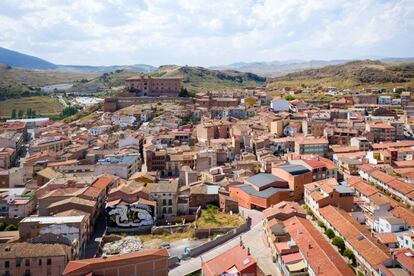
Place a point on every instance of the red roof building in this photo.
(236, 261)
(148, 262)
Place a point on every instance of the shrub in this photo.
(320, 223)
(339, 242)
(289, 98)
(330, 233)
(10, 227)
(349, 254)
(2, 225)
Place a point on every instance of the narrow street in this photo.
(92, 246)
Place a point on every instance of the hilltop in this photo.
(353, 74)
(201, 79)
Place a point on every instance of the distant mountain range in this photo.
(19, 60)
(16, 59)
(280, 68)
(267, 69)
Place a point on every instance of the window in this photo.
(27, 272)
(164, 202)
(170, 202)
(18, 261)
(27, 262)
(169, 210)
(6, 264)
(49, 261)
(40, 262)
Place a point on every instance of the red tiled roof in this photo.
(381, 176)
(284, 207)
(404, 214)
(103, 182)
(386, 238)
(357, 236)
(401, 186)
(235, 257)
(87, 265)
(321, 256)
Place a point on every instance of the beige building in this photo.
(33, 258)
(52, 143)
(151, 86)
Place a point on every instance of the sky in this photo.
(206, 32)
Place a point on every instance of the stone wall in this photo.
(221, 239)
(112, 104)
(167, 229)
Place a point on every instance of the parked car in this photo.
(165, 245)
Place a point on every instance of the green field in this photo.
(43, 105)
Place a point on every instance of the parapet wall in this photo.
(113, 104)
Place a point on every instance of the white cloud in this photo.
(205, 32)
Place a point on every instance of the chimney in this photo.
(241, 241)
(248, 251)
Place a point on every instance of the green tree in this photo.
(20, 114)
(68, 111)
(10, 227)
(349, 254)
(289, 98)
(330, 233)
(339, 242)
(29, 112)
(2, 225)
(320, 223)
(14, 113)
(183, 93)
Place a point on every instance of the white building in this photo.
(278, 104)
(391, 224)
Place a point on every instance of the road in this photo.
(177, 247)
(253, 239)
(92, 246)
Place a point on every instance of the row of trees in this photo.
(7, 227)
(339, 243)
(30, 113)
(335, 240)
(20, 114)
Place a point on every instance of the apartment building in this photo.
(319, 146)
(49, 143)
(146, 262)
(369, 254)
(22, 258)
(328, 192)
(73, 229)
(123, 166)
(152, 86)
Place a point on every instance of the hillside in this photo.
(14, 82)
(103, 82)
(277, 68)
(202, 79)
(350, 75)
(138, 68)
(16, 59)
